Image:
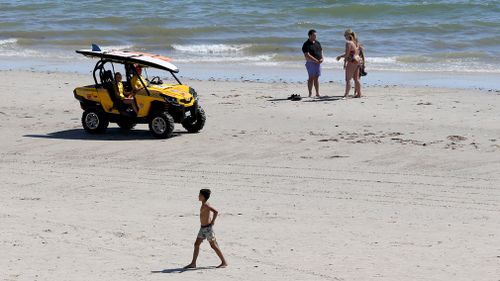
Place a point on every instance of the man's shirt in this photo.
(314, 49)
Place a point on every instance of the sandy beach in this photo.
(402, 184)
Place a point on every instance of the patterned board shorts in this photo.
(313, 69)
(206, 232)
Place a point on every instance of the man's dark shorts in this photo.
(313, 69)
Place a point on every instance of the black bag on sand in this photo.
(295, 97)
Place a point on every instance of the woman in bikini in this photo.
(352, 62)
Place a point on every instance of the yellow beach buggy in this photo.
(158, 104)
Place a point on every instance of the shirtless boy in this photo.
(206, 231)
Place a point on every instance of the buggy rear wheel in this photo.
(94, 121)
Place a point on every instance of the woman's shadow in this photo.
(182, 269)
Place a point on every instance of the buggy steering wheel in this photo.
(156, 80)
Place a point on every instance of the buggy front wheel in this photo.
(161, 125)
(195, 122)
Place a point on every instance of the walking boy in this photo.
(206, 231)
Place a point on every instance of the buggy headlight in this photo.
(171, 99)
(193, 93)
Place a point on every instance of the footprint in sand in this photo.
(424, 103)
(456, 138)
(119, 234)
(336, 156)
(474, 145)
(327, 140)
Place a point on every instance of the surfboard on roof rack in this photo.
(141, 58)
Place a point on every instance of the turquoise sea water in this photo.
(402, 36)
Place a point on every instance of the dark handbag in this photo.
(362, 71)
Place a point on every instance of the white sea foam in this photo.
(10, 48)
(381, 59)
(332, 60)
(215, 59)
(9, 41)
(234, 54)
(210, 48)
(28, 53)
(117, 47)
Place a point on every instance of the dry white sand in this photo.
(403, 184)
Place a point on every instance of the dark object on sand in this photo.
(295, 97)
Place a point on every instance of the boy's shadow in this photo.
(182, 269)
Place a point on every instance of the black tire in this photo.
(126, 124)
(194, 124)
(94, 121)
(161, 125)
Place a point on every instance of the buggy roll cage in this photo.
(100, 67)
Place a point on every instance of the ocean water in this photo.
(442, 37)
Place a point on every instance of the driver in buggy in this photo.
(129, 98)
(137, 82)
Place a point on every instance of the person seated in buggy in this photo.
(128, 99)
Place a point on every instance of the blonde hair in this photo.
(351, 36)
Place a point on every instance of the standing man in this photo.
(314, 57)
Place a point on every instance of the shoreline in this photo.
(268, 73)
(300, 86)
